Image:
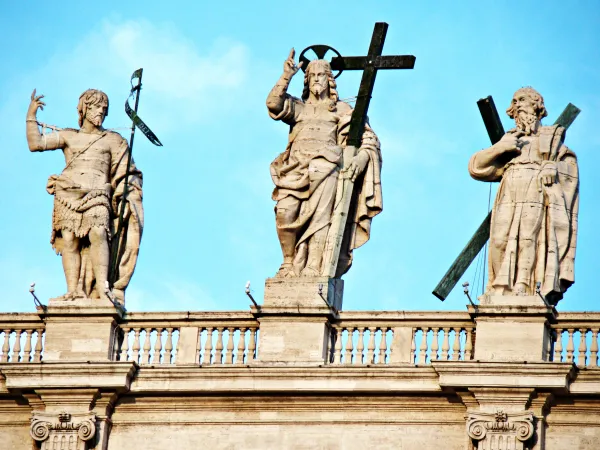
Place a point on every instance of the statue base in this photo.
(80, 329)
(513, 328)
(294, 320)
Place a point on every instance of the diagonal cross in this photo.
(369, 64)
(495, 130)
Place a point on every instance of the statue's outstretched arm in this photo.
(38, 142)
(276, 98)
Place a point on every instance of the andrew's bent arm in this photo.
(38, 142)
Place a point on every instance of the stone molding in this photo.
(500, 430)
(63, 431)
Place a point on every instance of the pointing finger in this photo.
(33, 95)
(292, 53)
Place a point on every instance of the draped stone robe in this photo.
(308, 170)
(525, 209)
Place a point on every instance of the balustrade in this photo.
(377, 338)
(21, 338)
(575, 339)
(214, 338)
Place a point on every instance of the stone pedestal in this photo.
(513, 328)
(80, 330)
(294, 319)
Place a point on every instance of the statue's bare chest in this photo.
(317, 123)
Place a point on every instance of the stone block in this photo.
(304, 295)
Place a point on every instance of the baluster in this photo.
(27, 350)
(594, 349)
(125, 345)
(146, 355)
(239, 354)
(251, 355)
(423, 348)
(413, 346)
(5, 347)
(370, 359)
(435, 344)
(570, 346)
(206, 360)
(582, 350)
(468, 344)
(37, 353)
(348, 348)
(360, 346)
(219, 347)
(558, 348)
(337, 348)
(198, 346)
(382, 346)
(445, 344)
(456, 345)
(168, 358)
(135, 354)
(229, 354)
(157, 346)
(15, 355)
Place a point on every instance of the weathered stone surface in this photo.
(88, 198)
(308, 177)
(534, 219)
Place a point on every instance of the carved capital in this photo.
(500, 429)
(63, 430)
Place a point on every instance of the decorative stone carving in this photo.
(534, 218)
(88, 198)
(500, 430)
(63, 431)
(307, 173)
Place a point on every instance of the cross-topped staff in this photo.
(369, 64)
(495, 130)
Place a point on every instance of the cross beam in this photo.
(495, 130)
(369, 64)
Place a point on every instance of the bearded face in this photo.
(527, 109)
(96, 112)
(319, 81)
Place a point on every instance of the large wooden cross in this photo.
(495, 130)
(369, 64)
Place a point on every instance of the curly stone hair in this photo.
(90, 97)
(540, 108)
(333, 94)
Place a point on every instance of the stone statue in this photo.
(534, 220)
(88, 197)
(306, 173)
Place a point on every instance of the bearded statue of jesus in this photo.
(534, 220)
(306, 173)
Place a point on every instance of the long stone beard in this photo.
(526, 122)
(317, 89)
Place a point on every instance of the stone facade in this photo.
(316, 377)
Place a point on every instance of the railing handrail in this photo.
(189, 318)
(21, 321)
(414, 319)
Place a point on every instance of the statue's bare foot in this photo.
(309, 272)
(520, 289)
(286, 271)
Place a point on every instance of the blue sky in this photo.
(207, 70)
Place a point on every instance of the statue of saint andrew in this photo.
(88, 196)
(306, 173)
(534, 220)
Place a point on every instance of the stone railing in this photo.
(576, 339)
(206, 338)
(394, 337)
(21, 338)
